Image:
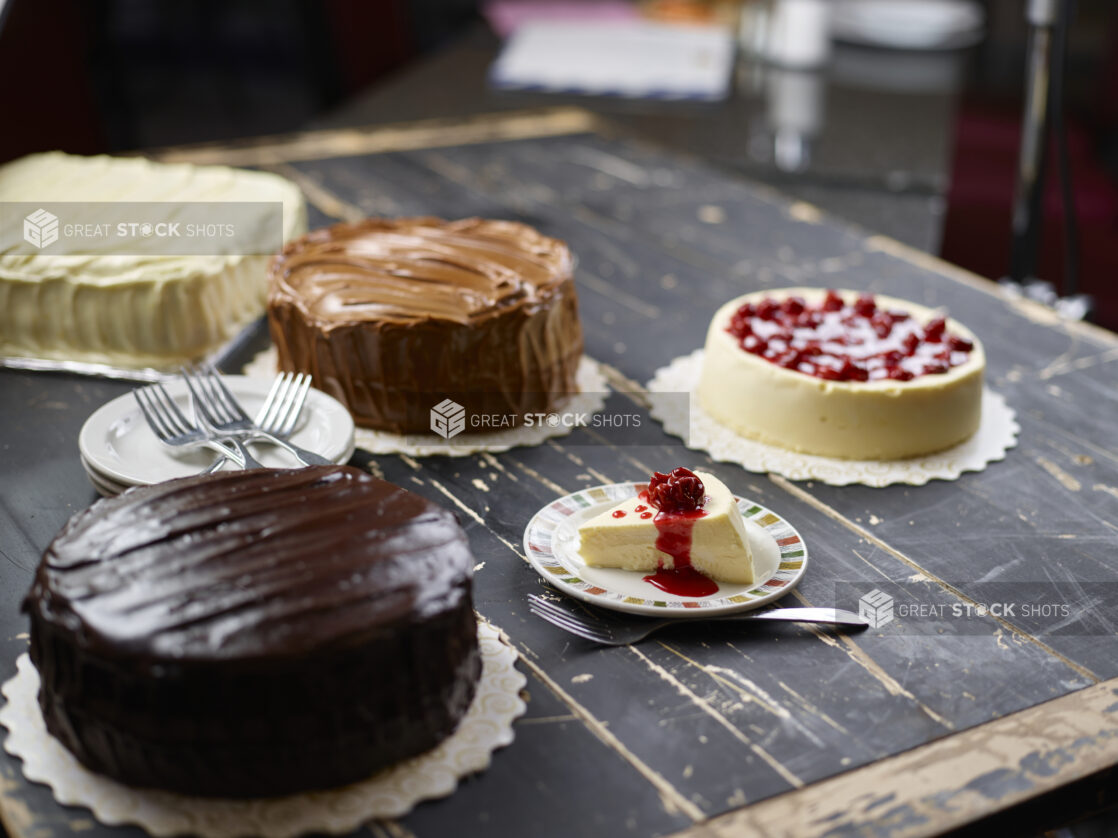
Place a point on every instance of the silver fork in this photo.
(610, 630)
(280, 412)
(174, 430)
(219, 409)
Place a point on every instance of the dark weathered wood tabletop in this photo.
(908, 729)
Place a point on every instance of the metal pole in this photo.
(1028, 199)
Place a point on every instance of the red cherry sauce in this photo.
(678, 498)
(619, 513)
(841, 341)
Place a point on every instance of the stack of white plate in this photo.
(908, 24)
(119, 450)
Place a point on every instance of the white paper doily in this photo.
(590, 399)
(391, 793)
(996, 434)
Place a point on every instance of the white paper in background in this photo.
(635, 60)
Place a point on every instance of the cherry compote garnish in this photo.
(840, 341)
(678, 497)
(680, 490)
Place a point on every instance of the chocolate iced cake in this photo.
(255, 633)
(392, 317)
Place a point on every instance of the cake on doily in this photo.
(255, 633)
(87, 299)
(844, 375)
(396, 317)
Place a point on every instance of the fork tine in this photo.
(574, 626)
(303, 386)
(217, 404)
(155, 400)
(280, 408)
(570, 629)
(546, 605)
(587, 616)
(228, 398)
(154, 420)
(200, 404)
(172, 412)
(264, 415)
(579, 630)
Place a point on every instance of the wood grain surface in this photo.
(907, 729)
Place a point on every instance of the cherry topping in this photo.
(933, 332)
(767, 309)
(679, 491)
(837, 341)
(853, 372)
(865, 306)
(754, 344)
(793, 305)
(619, 513)
(882, 324)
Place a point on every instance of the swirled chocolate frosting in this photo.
(256, 632)
(393, 316)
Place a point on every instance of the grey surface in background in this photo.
(875, 127)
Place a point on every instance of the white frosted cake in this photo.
(130, 310)
(842, 375)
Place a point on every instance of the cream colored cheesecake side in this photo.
(132, 310)
(870, 420)
(719, 542)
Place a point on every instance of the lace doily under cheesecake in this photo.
(486, 727)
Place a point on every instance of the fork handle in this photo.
(307, 458)
(227, 456)
(242, 449)
(825, 616)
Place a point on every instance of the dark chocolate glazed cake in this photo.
(391, 317)
(255, 633)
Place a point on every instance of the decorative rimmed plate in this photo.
(116, 442)
(551, 543)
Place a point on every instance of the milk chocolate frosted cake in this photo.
(391, 317)
(255, 633)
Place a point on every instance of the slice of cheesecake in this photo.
(708, 534)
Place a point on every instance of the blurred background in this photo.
(904, 116)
